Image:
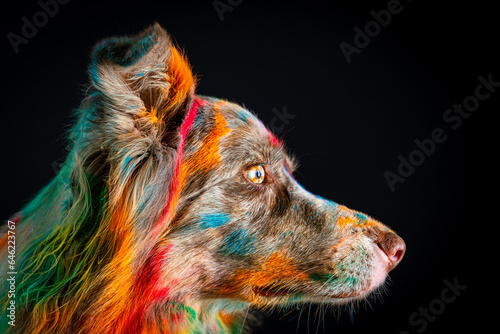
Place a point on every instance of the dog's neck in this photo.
(203, 317)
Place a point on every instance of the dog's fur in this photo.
(153, 226)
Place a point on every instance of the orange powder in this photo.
(207, 157)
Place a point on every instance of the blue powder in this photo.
(214, 220)
(238, 243)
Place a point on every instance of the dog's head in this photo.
(228, 220)
(245, 229)
(172, 196)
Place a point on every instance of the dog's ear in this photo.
(144, 83)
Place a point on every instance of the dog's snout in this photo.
(393, 246)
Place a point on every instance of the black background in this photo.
(351, 123)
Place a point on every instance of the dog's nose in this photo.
(393, 246)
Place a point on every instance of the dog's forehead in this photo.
(238, 116)
(247, 129)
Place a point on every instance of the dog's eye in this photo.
(256, 174)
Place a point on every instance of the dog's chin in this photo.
(284, 297)
(344, 298)
(273, 291)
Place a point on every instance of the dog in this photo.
(176, 212)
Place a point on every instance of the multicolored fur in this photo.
(153, 225)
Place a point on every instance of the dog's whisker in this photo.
(244, 319)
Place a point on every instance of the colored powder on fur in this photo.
(177, 183)
(147, 288)
(275, 141)
(343, 221)
(276, 267)
(214, 220)
(238, 243)
(207, 157)
(320, 277)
